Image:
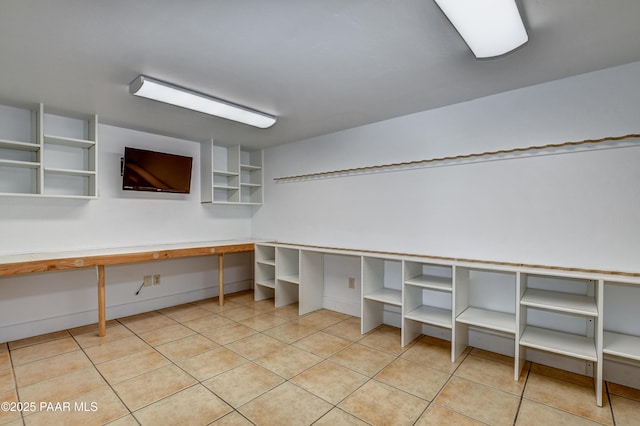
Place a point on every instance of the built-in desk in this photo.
(99, 258)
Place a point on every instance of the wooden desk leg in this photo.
(102, 307)
(221, 278)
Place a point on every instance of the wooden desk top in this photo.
(53, 261)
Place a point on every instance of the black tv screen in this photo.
(156, 171)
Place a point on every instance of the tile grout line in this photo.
(104, 378)
(526, 381)
(15, 379)
(323, 358)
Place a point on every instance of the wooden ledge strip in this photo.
(456, 157)
(478, 261)
(117, 259)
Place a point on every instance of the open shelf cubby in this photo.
(381, 291)
(427, 298)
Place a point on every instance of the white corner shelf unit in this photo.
(46, 154)
(231, 175)
(280, 269)
(554, 311)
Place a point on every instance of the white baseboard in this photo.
(623, 372)
(76, 319)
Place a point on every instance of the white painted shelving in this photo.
(52, 155)
(551, 310)
(231, 175)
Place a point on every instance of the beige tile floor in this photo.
(248, 363)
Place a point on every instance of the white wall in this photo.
(38, 303)
(578, 209)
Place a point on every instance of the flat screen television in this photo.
(155, 171)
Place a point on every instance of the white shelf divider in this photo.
(492, 320)
(431, 315)
(558, 342)
(621, 345)
(386, 295)
(561, 302)
(431, 282)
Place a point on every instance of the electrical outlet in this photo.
(156, 280)
(147, 280)
(352, 282)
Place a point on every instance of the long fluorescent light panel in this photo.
(489, 27)
(185, 98)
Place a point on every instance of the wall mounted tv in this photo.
(155, 171)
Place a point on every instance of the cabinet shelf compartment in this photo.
(265, 272)
(250, 193)
(20, 151)
(560, 306)
(561, 315)
(61, 162)
(69, 183)
(70, 156)
(484, 299)
(621, 345)
(427, 300)
(230, 175)
(19, 178)
(226, 195)
(287, 276)
(621, 334)
(381, 293)
(559, 342)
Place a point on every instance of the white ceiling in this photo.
(320, 66)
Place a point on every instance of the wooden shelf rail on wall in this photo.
(461, 157)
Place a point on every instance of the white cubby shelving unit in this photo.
(47, 153)
(231, 175)
(381, 291)
(265, 272)
(483, 299)
(560, 315)
(251, 177)
(280, 269)
(529, 310)
(287, 276)
(427, 298)
(620, 320)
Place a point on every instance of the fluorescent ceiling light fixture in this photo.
(489, 27)
(185, 98)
